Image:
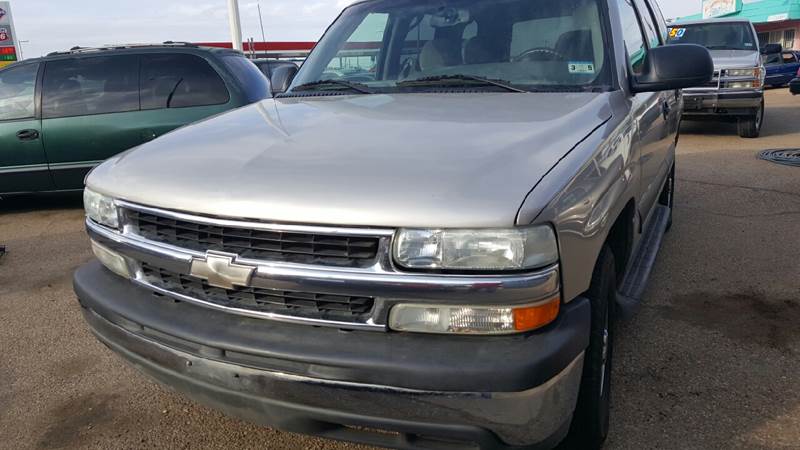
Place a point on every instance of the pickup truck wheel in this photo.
(668, 196)
(750, 127)
(590, 422)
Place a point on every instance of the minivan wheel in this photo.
(668, 196)
(590, 422)
(750, 127)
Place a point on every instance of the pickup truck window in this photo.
(715, 36)
(402, 46)
(17, 86)
(632, 35)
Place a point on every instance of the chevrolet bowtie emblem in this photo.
(220, 270)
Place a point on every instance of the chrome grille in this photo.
(310, 305)
(267, 245)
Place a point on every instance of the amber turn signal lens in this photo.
(534, 317)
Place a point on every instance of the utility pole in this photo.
(235, 24)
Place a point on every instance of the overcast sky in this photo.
(58, 25)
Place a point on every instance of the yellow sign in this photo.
(6, 63)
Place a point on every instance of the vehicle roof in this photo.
(709, 21)
(169, 47)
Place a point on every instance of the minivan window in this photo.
(180, 81)
(632, 35)
(402, 45)
(17, 89)
(715, 36)
(94, 85)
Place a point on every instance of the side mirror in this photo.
(771, 49)
(673, 67)
(282, 78)
(794, 86)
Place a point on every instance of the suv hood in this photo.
(424, 160)
(735, 59)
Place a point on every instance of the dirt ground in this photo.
(710, 361)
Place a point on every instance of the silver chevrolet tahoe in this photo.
(423, 241)
(736, 93)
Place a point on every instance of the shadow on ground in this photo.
(40, 202)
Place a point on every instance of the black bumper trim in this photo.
(403, 360)
(191, 376)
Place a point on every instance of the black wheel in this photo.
(668, 196)
(590, 422)
(750, 127)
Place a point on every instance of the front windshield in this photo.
(418, 45)
(715, 36)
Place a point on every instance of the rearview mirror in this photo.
(282, 78)
(771, 49)
(673, 67)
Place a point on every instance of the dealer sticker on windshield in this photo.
(581, 67)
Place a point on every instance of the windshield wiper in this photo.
(314, 85)
(459, 79)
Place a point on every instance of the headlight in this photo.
(474, 250)
(459, 319)
(753, 72)
(100, 208)
(741, 85)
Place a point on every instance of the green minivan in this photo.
(63, 114)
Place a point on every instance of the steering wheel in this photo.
(548, 53)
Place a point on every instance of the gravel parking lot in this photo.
(710, 361)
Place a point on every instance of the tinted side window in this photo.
(632, 33)
(658, 16)
(252, 80)
(17, 88)
(180, 81)
(96, 85)
(650, 28)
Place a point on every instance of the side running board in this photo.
(633, 285)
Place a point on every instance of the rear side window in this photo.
(17, 88)
(180, 81)
(252, 80)
(789, 58)
(86, 86)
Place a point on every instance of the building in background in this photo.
(777, 21)
(9, 44)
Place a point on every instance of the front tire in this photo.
(750, 127)
(590, 423)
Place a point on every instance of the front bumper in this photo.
(721, 102)
(420, 390)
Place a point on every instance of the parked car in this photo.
(268, 66)
(781, 67)
(430, 259)
(736, 93)
(794, 86)
(63, 114)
